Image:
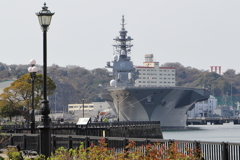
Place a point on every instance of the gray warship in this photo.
(169, 105)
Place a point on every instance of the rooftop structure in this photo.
(150, 74)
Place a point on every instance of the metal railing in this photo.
(209, 150)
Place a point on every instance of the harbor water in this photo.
(213, 133)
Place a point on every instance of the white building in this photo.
(150, 74)
(204, 108)
(90, 109)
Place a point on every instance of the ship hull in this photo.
(169, 105)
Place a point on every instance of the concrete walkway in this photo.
(3, 155)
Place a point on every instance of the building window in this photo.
(144, 69)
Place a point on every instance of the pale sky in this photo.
(196, 33)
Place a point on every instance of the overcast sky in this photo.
(196, 33)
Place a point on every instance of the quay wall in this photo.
(217, 120)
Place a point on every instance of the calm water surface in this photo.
(217, 133)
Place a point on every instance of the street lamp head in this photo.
(44, 17)
(33, 62)
(33, 69)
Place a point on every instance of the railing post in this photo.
(224, 151)
(198, 149)
(24, 142)
(125, 146)
(54, 143)
(69, 142)
(86, 142)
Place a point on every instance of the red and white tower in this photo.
(216, 69)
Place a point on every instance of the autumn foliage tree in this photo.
(16, 99)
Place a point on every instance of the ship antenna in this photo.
(123, 22)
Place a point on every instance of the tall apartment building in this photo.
(150, 74)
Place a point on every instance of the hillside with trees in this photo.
(73, 83)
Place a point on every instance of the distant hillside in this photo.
(74, 82)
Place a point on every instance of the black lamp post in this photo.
(44, 17)
(32, 70)
(83, 106)
(118, 109)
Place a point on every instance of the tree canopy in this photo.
(16, 99)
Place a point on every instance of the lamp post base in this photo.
(45, 136)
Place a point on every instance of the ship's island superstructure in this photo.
(168, 105)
